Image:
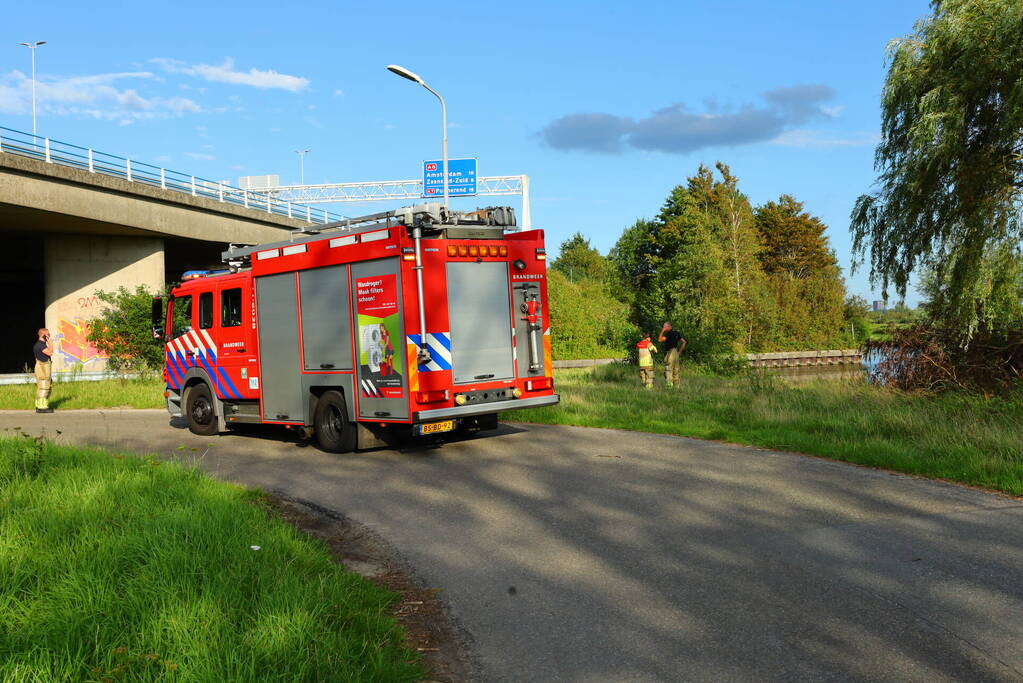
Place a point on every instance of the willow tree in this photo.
(950, 161)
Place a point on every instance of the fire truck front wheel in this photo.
(334, 433)
(202, 417)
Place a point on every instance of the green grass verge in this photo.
(122, 568)
(967, 439)
(107, 393)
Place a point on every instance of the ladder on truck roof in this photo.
(421, 216)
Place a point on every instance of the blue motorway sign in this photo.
(461, 178)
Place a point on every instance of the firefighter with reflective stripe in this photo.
(646, 361)
(43, 351)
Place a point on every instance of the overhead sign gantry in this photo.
(400, 190)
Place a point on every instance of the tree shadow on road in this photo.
(590, 554)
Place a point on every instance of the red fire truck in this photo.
(418, 320)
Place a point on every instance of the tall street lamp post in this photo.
(424, 351)
(32, 47)
(301, 161)
(405, 73)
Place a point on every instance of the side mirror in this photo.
(158, 317)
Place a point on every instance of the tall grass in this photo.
(144, 392)
(121, 568)
(969, 439)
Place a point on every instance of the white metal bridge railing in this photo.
(396, 190)
(66, 154)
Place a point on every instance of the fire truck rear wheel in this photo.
(334, 433)
(202, 416)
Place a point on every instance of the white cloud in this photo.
(182, 105)
(200, 156)
(339, 92)
(815, 139)
(96, 96)
(226, 73)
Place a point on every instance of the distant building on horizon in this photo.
(878, 306)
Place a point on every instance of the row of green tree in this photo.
(732, 277)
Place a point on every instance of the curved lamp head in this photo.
(405, 73)
(35, 44)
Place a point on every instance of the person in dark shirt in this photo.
(673, 346)
(43, 351)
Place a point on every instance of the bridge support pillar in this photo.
(75, 266)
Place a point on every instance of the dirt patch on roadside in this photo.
(429, 629)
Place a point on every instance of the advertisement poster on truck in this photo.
(379, 330)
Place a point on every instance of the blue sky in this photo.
(606, 106)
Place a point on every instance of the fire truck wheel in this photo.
(202, 417)
(334, 433)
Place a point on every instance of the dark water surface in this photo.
(863, 370)
(818, 372)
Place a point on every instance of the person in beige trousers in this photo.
(43, 351)
(674, 344)
(646, 349)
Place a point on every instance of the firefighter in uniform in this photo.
(674, 344)
(646, 361)
(43, 351)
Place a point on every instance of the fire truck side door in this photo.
(234, 352)
(380, 339)
(279, 360)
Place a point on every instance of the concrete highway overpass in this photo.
(70, 228)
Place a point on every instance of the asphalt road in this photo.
(576, 554)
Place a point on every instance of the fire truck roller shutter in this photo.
(478, 309)
(326, 318)
(278, 348)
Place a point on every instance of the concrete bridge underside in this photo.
(66, 233)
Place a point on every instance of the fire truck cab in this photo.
(418, 320)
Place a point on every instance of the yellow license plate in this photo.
(437, 427)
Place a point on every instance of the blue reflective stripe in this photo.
(227, 381)
(438, 345)
(437, 358)
(443, 339)
(172, 375)
(179, 363)
(213, 375)
(173, 368)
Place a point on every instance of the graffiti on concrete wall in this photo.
(75, 346)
